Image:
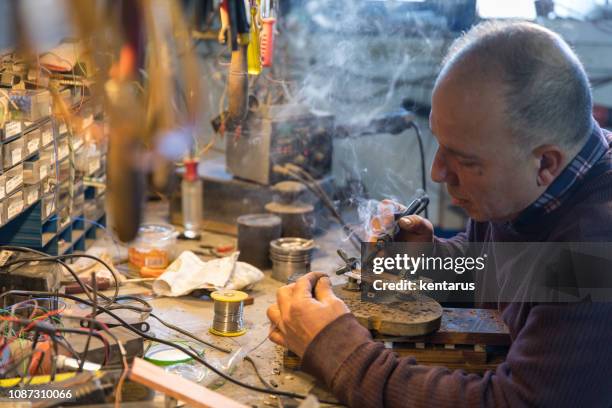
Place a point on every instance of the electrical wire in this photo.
(33, 324)
(59, 259)
(91, 328)
(147, 309)
(192, 336)
(51, 331)
(320, 193)
(111, 304)
(298, 173)
(39, 362)
(185, 350)
(15, 365)
(54, 358)
(422, 154)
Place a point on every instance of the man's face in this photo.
(485, 173)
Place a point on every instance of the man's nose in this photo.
(439, 171)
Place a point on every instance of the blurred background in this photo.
(338, 88)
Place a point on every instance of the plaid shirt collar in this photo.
(554, 196)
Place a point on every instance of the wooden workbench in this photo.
(195, 315)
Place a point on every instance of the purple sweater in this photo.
(561, 354)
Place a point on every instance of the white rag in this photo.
(188, 273)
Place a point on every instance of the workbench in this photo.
(195, 315)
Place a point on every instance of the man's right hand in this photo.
(412, 228)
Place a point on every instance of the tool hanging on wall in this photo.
(250, 33)
(253, 52)
(268, 18)
(150, 102)
(235, 28)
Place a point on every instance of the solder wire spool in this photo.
(229, 313)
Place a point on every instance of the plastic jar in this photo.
(153, 247)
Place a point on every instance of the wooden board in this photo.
(178, 387)
(417, 317)
(464, 326)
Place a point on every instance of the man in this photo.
(520, 153)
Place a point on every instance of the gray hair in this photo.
(545, 87)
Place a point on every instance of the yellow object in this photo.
(39, 379)
(228, 334)
(229, 296)
(254, 52)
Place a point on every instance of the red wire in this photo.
(46, 316)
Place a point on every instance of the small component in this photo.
(349, 269)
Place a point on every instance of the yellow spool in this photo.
(229, 306)
(229, 296)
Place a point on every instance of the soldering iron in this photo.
(417, 206)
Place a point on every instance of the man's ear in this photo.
(551, 163)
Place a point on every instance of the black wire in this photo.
(114, 299)
(146, 309)
(59, 259)
(187, 351)
(54, 359)
(422, 154)
(293, 168)
(257, 373)
(94, 334)
(53, 330)
(223, 349)
(317, 191)
(26, 371)
(91, 329)
(186, 333)
(64, 343)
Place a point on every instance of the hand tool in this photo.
(417, 206)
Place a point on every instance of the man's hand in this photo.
(298, 317)
(412, 228)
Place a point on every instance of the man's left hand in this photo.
(298, 316)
